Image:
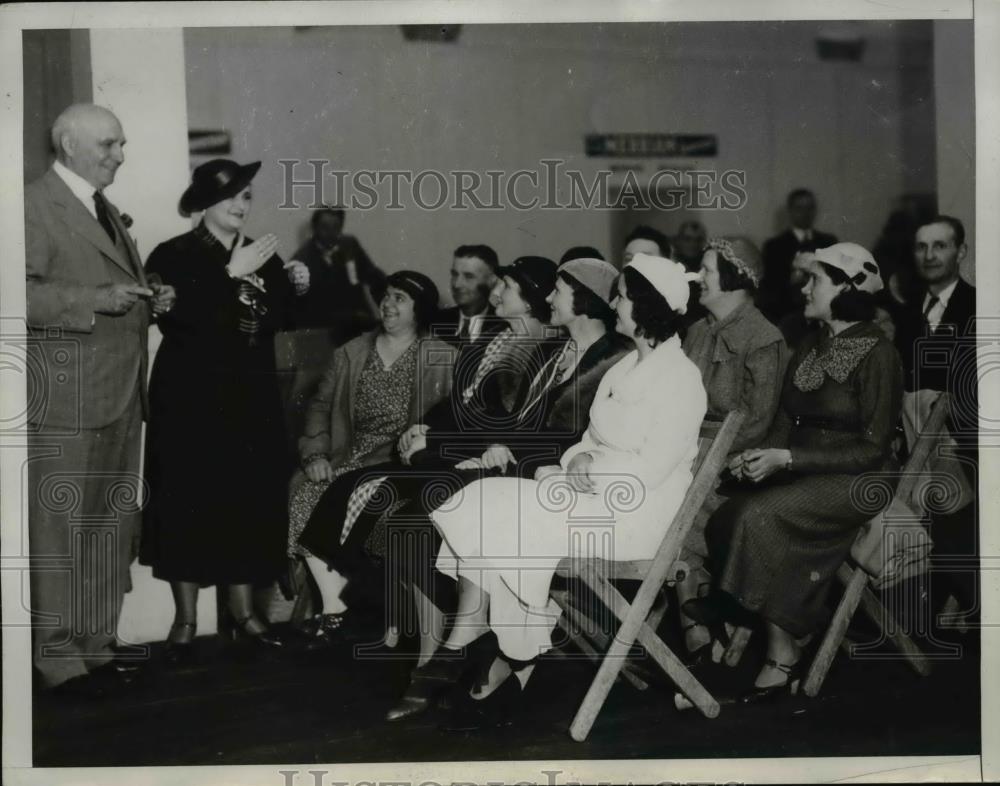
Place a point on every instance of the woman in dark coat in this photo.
(777, 550)
(216, 447)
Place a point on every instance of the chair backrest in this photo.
(873, 549)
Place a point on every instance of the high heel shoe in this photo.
(428, 682)
(178, 652)
(497, 709)
(239, 632)
(793, 676)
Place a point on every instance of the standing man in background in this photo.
(344, 284)
(89, 306)
(777, 295)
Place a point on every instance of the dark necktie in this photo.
(102, 215)
(930, 306)
(463, 331)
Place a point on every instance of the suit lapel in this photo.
(79, 220)
(131, 250)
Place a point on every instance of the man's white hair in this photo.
(70, 120)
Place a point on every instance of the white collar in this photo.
(943, 296)
(802, 234)
(81, 189)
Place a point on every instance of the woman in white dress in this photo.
(613, 494)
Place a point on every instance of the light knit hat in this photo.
(669, 278)
(856, 262)
(595, 274)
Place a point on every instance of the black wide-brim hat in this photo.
(214, 181)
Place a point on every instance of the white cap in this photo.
(856, 262)
(669, 278)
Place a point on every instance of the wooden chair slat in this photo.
(714, 443)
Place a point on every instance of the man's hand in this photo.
(248, 259)
(319, 470)
(118, 299)
(578, 473)
(298, 274)
(414, 431)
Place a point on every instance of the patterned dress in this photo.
(380, 415)
(777, 549)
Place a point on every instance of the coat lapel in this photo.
(133, 253)
(79, 220)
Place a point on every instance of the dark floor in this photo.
(328, 706)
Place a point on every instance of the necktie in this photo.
(102, 215)
(463, 330)
(930, 306)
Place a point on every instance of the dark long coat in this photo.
(216, 460)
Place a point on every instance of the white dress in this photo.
(508, 534)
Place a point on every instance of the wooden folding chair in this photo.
(640, 618)
(856, 579)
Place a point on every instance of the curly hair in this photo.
(588, 304)
(654, 318)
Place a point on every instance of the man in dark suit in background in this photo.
(88, 310)
(344, 284)
(935, 335)
(473, 276)
(776, 294)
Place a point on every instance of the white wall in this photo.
(504, 97)
(140, 76)
(956, 123)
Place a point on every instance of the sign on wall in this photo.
(651, 145)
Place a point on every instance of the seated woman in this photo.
(481, 402)
(376, 386)
(742, 359)
(504, 537)
(776, 550)
(550, 419)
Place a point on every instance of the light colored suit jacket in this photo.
(88, 364)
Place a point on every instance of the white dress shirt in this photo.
(935, 315)
(81, 189)
(475, 323)
(802, 235)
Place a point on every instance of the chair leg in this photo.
(615, 659)
(575, 623)
(875, 609)
(737, 644)
(855, 581)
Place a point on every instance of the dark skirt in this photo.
(217, 474)
(409, 542)
(776, 550)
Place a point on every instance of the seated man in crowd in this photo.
(345, 285)
(473, 276)
(935, 336)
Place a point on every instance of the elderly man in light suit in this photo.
(89, 307)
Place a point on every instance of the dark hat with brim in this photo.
(535, 275)
(214, 181)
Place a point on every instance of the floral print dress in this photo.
(381, 409)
